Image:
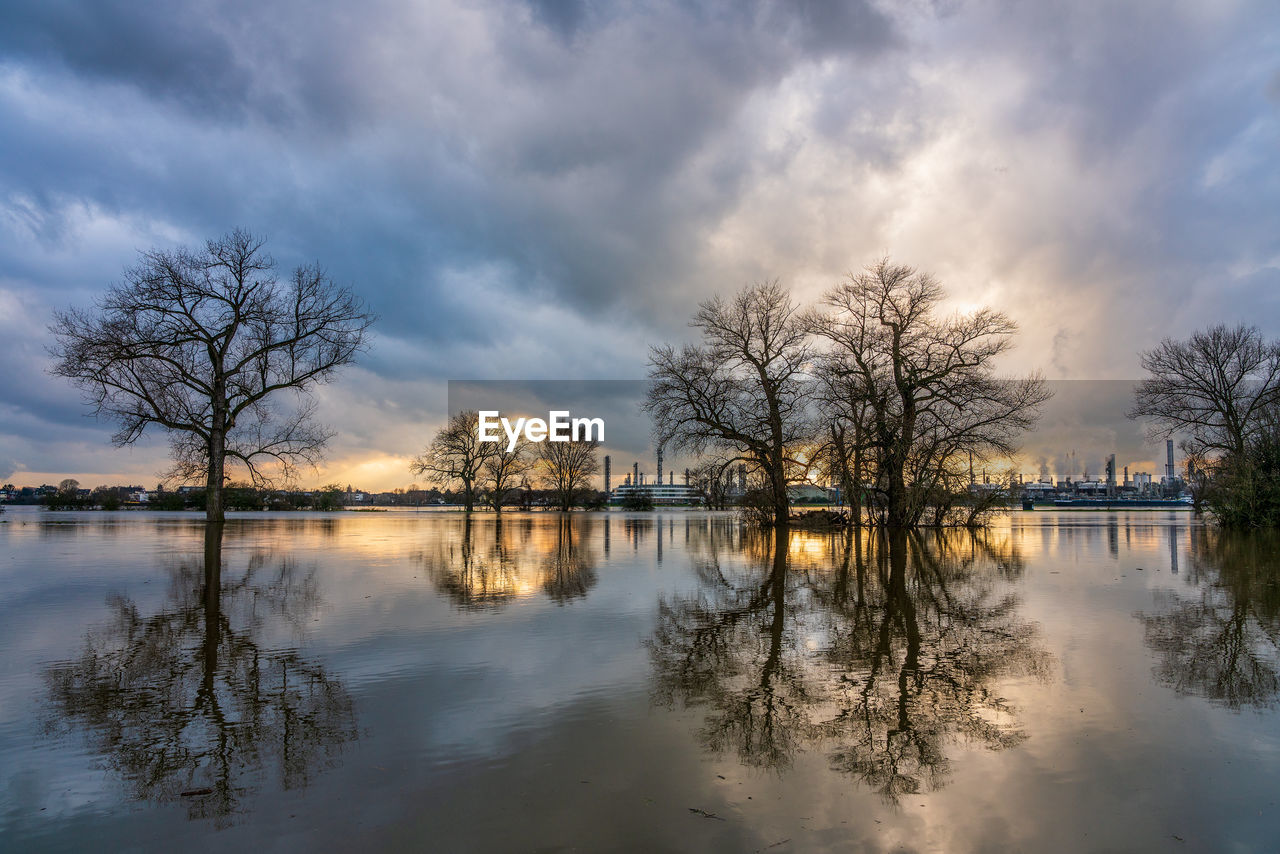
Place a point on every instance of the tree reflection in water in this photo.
(485, 565)
(878, 649)
(190, 703)
(1221, 641)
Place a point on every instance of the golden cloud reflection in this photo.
(882, 651)
(488, 563)
(196, 703)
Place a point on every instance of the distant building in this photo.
(1039, 489)
(808, 493)
(661, 494)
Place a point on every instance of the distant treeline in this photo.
(242, 496)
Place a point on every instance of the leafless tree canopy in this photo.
(200, 343)
(1217, 386)
(912, 395)
(505, 470)
(894, 408)
(567, 467)
(712, 477)
(742, 391)
(456, 455)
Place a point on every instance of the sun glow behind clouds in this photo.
(509, 192)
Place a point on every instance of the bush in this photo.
(756, 507)
(1244, 491)
(637, 501)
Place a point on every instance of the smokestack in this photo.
(686, 477)
(606, 473)
(659, 465)
(635, 473)
(671, 478)
(742, 477)
(1168, 465)
(1111, 476)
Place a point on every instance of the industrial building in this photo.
(669, 494)
(660, 494)
(1138, 487)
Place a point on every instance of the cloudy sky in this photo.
(542, 189)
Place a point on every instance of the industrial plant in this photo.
(637, 488)
(1110, 487)
(1137, 489)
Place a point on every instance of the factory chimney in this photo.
(659, 465)
(1168, 465)
(635, 473)
(606, 474)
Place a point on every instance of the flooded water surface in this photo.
(635, 682)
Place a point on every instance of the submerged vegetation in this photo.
(1220, 391)
(874, 389)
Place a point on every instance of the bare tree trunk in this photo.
(778, 483)
(212, 606)
(855, 483)
(896, 499)
(213, 505)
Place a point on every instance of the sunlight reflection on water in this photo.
(589, 680)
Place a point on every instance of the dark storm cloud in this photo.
(563, 161)
(542, 188)
(170, 50)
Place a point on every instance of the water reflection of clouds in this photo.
(880, 652)
(487, 564)
(1218, 635)
(457, 702)
(191, 702)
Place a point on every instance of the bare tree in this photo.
(712, 478)
(203, 343)
(504, 470)
(845, 454)
(925, 383)
(742, 392)
(566, 467)
(1216, 386)
(456, 455)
